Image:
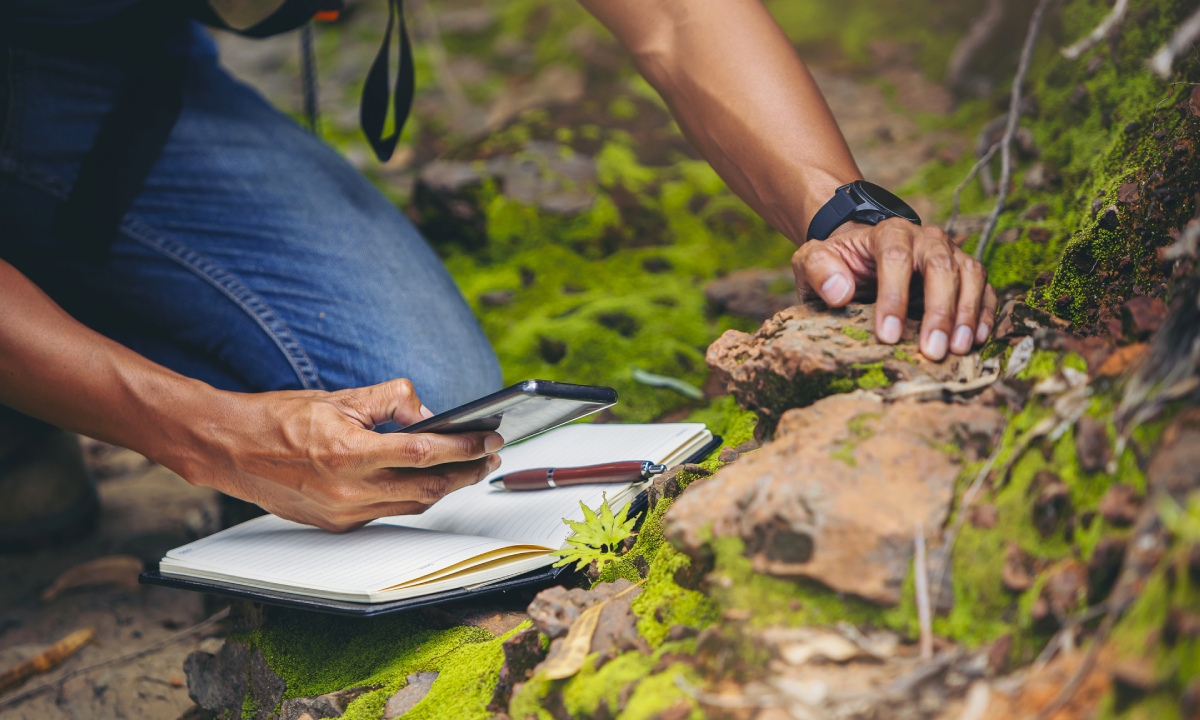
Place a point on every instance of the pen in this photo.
(544, 478)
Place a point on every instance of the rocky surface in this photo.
(416, 687)
(555, 610)
(330, 705)
(522, 653)
(217, 681)
(809, 351)
(754, 293)
(836, 497)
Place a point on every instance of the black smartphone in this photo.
(521, 411)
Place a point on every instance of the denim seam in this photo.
(224, 281)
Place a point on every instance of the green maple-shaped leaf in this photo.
(597, 537)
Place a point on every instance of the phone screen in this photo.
(521, 411)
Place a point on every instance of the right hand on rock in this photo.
(312, 456)
(960, 305)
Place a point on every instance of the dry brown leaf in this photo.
(578, 642)
(119, 570)
(47, 659)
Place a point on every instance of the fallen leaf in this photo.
(119, 570)
(578, 641)
(826, 646)
(47, 659)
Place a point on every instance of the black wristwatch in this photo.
(860, 201)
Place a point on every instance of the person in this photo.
(261, 309)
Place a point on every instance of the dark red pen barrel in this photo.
(617, 472)
(539, 479)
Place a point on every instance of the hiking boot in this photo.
(47, 496)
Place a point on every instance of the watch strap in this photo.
(832, 214)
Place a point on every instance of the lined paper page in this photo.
(368, 559)
(537, 517)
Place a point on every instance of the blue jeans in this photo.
(255, 258)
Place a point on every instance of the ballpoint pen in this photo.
(545, 478)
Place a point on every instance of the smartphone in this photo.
(521, 411)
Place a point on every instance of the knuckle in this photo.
(942, 262)
(431, 489)
(403, 386)
(896, 253)
(419, 451)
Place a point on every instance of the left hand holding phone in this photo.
(313, 457)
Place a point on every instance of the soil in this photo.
(145, 510)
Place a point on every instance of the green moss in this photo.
(856, 333)
(872, 376)
(659, 692)
(583, 694)
(663, 603)
(726, 418)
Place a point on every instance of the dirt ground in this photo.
(147, 510)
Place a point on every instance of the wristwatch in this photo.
(860, 201)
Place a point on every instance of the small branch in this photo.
(1067, 691)
(1010, 129)
(977, 36)
(952, 537)
(1163, 61)
(980, 164)
(431, 33)
(924, 611)
(1098, 33)
(166, 642)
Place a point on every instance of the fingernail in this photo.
(493, 442)
(426, 412)
(962, 339)
(835, 288)
(890, 332)
(935, 345)
(981, 335)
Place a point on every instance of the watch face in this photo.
(887, 200)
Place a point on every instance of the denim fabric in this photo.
(254, 259)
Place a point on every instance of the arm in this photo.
(745, 100)
(308, 456)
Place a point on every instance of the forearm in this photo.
(743, 97)
(56, 369)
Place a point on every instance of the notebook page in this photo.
(282, 552)
(536, 517)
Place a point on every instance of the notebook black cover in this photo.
(542, 577)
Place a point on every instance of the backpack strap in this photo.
(376, 95)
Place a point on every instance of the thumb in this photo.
(394, 400)
(821, 270)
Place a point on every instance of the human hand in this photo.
(960, 305)
(312, 456)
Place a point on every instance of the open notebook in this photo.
(472, 537)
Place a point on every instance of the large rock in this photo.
(330, 705)
(836, 497)
(217, 681)
(809, 351)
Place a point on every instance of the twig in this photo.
(924, 612)
(166, 642)
(1071, 624)
(46, 659)
(980, 164)
(431, 33)
(1098, 33)
(977, 36)
(725, 701)
(968, 498)
(1161, 62)
(1067, 691)
(1010, 129)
